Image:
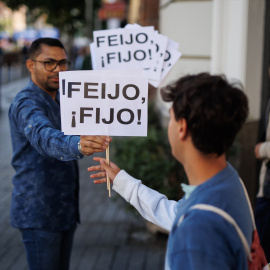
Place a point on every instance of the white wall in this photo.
(237, 45)
(189, 24)
(218, 36)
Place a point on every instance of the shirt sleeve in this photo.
(264, 150)
(32, 121)
(153, 206)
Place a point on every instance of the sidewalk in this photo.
(108, 237)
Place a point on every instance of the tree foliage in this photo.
(60, 12)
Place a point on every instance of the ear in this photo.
(182, 128)
(30, 65)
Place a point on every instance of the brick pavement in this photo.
(108, 237)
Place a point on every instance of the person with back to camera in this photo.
(45, 203)
(206, 114)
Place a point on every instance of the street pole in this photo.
(89, 19)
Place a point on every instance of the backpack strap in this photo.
(227, 217)
(249, 204)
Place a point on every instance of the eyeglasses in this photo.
(50, 65)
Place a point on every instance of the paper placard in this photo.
(103, 102)
(130, 48)
(134, 47)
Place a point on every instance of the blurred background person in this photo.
(262, 208)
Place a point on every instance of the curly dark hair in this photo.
(35, 47)
(215, 110)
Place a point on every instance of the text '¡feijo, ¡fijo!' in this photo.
(94, 90)
(103, 101)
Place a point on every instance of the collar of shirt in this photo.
(188, 189)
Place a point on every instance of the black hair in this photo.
(35, 47)
(214, 109)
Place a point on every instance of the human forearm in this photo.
(152, 205)
(53, 143)
(44, 134)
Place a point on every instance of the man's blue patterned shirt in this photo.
(46, 182)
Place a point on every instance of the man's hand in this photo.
(94, 144)
(112, 170)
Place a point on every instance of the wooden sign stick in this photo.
(108, 162)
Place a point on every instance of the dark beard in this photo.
(49, 85)
(51, 90)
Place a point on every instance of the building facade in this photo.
(221, 36)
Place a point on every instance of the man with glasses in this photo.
(44, 203)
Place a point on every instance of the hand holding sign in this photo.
(105, 103)
(94, 144)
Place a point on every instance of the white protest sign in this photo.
(158, 54)
(134, 25)
(103, 103)
(135, 47)
(171, 57)
(161, 42)
(125, 49)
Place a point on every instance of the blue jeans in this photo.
(46, 250)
